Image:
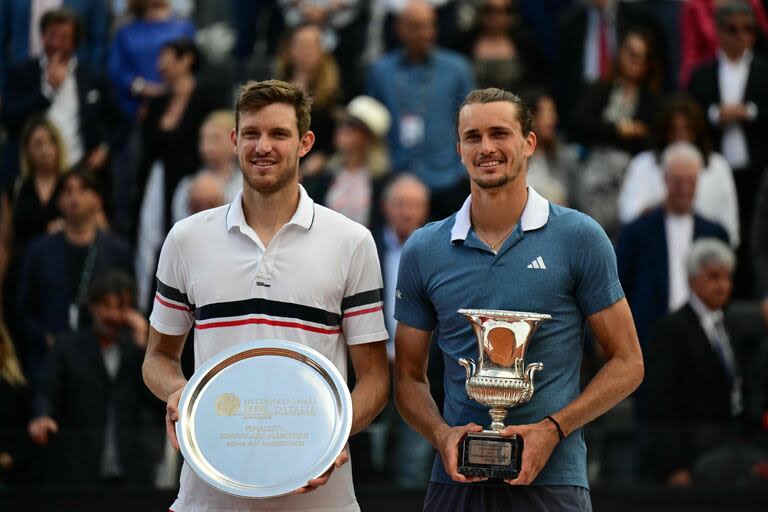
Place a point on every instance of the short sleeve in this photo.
(598, 284)
(412, 304)
(172, 311)
(361, 308)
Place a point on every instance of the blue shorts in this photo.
(503, 497)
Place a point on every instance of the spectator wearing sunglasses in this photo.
(733, 91)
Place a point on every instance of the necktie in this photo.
(722, 345)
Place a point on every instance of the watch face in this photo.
(261, 419)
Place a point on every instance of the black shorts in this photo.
(492, 498)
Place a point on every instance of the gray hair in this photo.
(681, 152)
(728, 9)
(709, 250)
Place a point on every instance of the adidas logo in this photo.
(537, 263)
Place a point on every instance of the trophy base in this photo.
(488, 454)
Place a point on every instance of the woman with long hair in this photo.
(30, 207)
(304, 62)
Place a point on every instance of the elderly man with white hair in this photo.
(651, 250)
(693, 379)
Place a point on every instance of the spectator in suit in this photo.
(57, 85)
(652, 250)
(58, 269)
(698, 33)
(405, 203)
(733, 91)
(422, 86)
(693, 380)
(20, 34)
(681, 120)
(93, 400)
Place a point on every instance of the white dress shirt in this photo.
(679, 232)
(65, 109)
(732, 79)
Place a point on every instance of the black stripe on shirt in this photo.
(173, 294)
(362, 299)
(267, 307)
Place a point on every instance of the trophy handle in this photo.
(469, 366)
(530, 370)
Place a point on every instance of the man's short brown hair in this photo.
(60, 16)
(493, 95)
(254, 96)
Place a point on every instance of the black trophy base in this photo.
(489, 455)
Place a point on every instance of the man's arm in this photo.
(163, 376)
(620, 375)
(415, 402)
(368, 398)
(371, 391)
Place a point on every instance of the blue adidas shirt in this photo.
(556, 261)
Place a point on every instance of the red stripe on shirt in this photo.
(170, 304)
(264, 321)
(361, 312)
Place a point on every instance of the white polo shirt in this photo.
(317, 283)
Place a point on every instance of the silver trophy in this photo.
(500, 379)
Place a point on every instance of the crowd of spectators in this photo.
(651, 116)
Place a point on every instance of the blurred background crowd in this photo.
(651, 116)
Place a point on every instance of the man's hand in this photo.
(138, 325)
(448, 440)
(97, 158)
(172, 416)
(39, 428)
(57, 70)
(680, 478)
(732, 113)
(539, 440)
(323, 479)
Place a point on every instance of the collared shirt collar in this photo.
(535, 215)
(428, 58)
(71, 65)
(303, 217)
(744, 60)
(708, 317)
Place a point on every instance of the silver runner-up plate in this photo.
(262, 418)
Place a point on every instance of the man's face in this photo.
(712, 285)
(681, 177)
(491, 144)
(416, 28)
(737, 35)
(268, 147)
(59, 38)
(78, 203)
(406, 208)
(108, 316)
(214, 144)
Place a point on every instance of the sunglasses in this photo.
(497, 9)
(736, 29)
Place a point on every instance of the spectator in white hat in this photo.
(353, 178)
